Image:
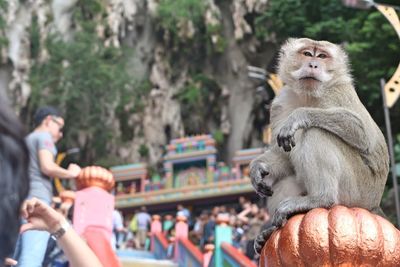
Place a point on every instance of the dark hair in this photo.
(14, 180)
(43, 112)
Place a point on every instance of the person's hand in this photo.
(40, 216)
(74, 169)
(10, 262)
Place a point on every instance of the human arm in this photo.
(51, 169)
(42, 217)
(243, 214)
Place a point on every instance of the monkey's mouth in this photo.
(309, 78)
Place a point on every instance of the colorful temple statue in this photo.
(129, 178)
(190, 161)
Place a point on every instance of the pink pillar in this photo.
(155, 227)
(209, 248)
(181, 231)
(93, 207)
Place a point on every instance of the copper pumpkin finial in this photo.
(338, 236)
(95, 176)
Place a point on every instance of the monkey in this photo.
(326, 148)
(278, 175)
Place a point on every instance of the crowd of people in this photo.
(28, 165)
(246, 220)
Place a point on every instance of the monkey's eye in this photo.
(307, 54)
(322, 56)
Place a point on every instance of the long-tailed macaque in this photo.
(328, 149)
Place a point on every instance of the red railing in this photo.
(188, 254)
(240, 259)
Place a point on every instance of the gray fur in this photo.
(328, 149)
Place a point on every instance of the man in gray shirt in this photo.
(31, 246)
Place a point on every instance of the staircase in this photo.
(140, 258)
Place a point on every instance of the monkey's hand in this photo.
(262, 238)
(258, 171)
(296, 120)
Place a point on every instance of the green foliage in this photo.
(367, 36)
(84, 78)
(143, 151)
(173, 12)
(108, 161)
(369, 39)
(35, 38)
(199, 101)
(218, 136)
(221, 43)
(3, 24)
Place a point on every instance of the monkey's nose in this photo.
(313, 65)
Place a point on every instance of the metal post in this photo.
(391, 152)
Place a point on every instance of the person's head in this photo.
(14, 181)
(49, 118)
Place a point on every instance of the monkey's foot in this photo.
(285, 210)
(262, 238)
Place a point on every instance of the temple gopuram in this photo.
(192, 177)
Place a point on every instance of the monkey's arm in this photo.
(341, 122)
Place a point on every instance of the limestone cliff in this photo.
(194, 66)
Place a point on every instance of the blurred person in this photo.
(133, 228)
(254, 220)
(232, 216)
(243, 203)
(209, 229)
(118, 229)
(182, 211)
(41, 217)
(168, 222)
(14, 178)
(143, 221)
(14, 188)
(198, 229)
(237, 234)
(54, 253)
(42, 168)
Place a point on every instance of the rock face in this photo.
(220, 49)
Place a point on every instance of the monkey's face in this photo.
(309, 66)
(312, 68)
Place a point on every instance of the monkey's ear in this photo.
(288, 45)
(343, 45)
(291, 40)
